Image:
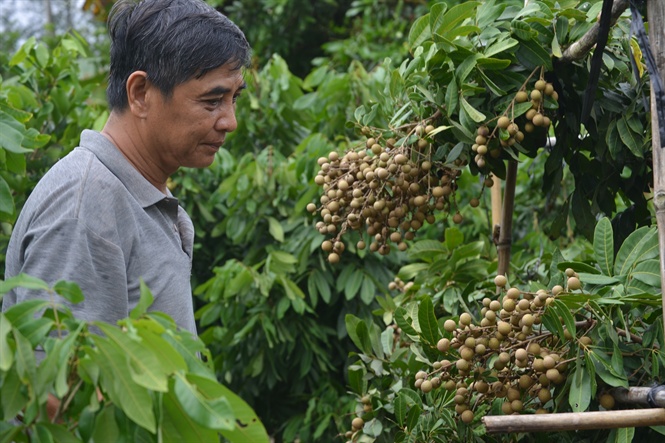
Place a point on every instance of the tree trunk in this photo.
(656, 16)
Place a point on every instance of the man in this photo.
(103, 216)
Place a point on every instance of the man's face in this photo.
(188, 128)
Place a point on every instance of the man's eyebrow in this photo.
(221, 90)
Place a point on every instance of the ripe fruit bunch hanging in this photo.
(384, 189)
(508, 356)
(526, 113)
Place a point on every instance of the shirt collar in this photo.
(137, 185)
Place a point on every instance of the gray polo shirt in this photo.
(95, 220)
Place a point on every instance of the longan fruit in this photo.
(467, 416)
(357, 423)
(521, 97)
(426, 386)
(503, 122)
(443, 345)
(607, 401)
(574, 283)
(500, 280)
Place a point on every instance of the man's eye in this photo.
(213, 102)
(235, 98)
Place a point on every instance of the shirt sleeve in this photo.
(68, 250)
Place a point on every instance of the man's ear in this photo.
(138, 88)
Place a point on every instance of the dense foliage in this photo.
(311, 345)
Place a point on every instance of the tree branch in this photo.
(581, 48)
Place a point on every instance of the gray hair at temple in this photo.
(173, 41)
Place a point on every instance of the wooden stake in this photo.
(656, 15)
(574, 421)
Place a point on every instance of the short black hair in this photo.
(172, 41)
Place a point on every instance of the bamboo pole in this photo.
(496, 207)
(637, 396)
(656, 15)
(574, 421)
(506, 229)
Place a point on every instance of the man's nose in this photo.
(227, 120)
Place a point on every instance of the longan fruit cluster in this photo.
(507, 131)
(507, 356)
(385, 191)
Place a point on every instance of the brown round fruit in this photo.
(503, 122)
(607, 401)
(357, 423)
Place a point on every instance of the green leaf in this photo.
(22, 314)
(23, 281)
(621, 435)
(403, 323)
(454, 237)
(532, 55)
(648, 272)
(11, 134)
(500, 46)
(275, 229)
(596, 279)
(452, 96)
(145, 300)
(556, 48)
(134, 400)
(215, 413)
(248, 427)
(466, 67)
(6, 353)
(363, 337)
(352, 284)
(401, 407)
(26, 365)
(106, 428)
(420, 31)
(475, 115)
(603, 245)
(454, 17)
(387, 341)
(577, 266)
(580, 389)
(606, 372)
(367, 290)
(428, 325)
(6, 198)
(357, 380)
(12, 397)
(351, 322)
(564, 312)
(632, 140)
(409, 271)
(70, 291)
(321, 285)
(641, 244)
(613, 140)
(145, 367)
